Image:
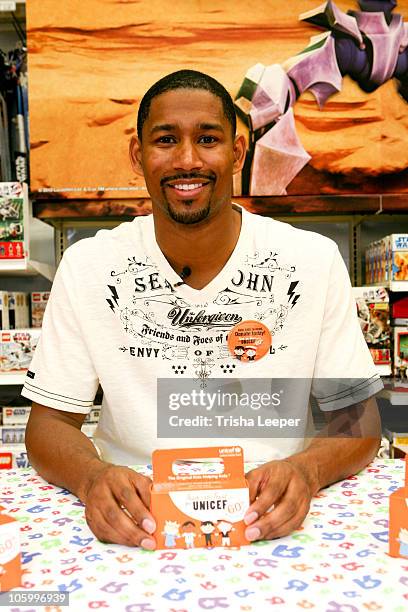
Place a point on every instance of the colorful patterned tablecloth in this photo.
(337, 562)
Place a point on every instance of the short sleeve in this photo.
(344, 372)
(61, 373)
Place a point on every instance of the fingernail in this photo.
(250, 518)
(148, 544)
(148, 525)
(252, 534)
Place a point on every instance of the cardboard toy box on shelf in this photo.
(373, 311)
(398, 523)
(398, 442)
(401, 352)
(4, 310)
(14, 456)
(6, 460)
(199, 497)
(10, 552)
(17, 349)
(13, 208)
(399, 309)
(12, 434)
(39, 300)
(16, 415)
(19, 317)
(387, 259)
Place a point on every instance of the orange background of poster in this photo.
(91, 62)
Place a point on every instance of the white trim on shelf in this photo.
(12, 378)
(24, 267)
(395, 286)
(383, 369)
(396, 398)
(398, 286)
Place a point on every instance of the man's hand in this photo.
(116, 506)
(284, 486)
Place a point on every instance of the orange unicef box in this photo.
(199, 497)
(398, 523)
(10, 556)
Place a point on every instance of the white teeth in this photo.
(184, 187)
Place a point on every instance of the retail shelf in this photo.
(10, 5)
(10, 448)
(397, 286)
(12, 378)
(394, 286)
(24, 267)
(383, 370)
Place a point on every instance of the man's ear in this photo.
(239, 153)
(135, 155)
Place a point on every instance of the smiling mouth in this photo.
(188, 190)
(187, 187)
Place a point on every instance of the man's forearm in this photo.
(62, 454)
(348, 442)
(328, 460)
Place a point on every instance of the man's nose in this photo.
(186, 157)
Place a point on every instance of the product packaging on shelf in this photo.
(401, 352)
(12, 434)
(373, 310)
(18, 454)
(12, 210)
(387, 259)
(19, 315)
(39, 300)
(4, 310)
(199, 497)
(16, 415)
(399, 312)
(10, 552)
(17, 349)
(398, 523)
(6, 460)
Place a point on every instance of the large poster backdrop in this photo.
(91, 62)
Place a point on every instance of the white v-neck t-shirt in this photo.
(115, 317)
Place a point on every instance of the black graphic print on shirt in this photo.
(161, 324)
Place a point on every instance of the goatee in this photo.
(187, 217)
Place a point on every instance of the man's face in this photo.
(188, 154)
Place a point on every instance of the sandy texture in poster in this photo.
(90, 63)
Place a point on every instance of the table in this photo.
(336, 562)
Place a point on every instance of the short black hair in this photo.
(186, 79)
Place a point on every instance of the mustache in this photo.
(187, 176)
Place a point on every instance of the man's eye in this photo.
(166, 139)
(207, 139)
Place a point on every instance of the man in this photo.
(135, 304)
